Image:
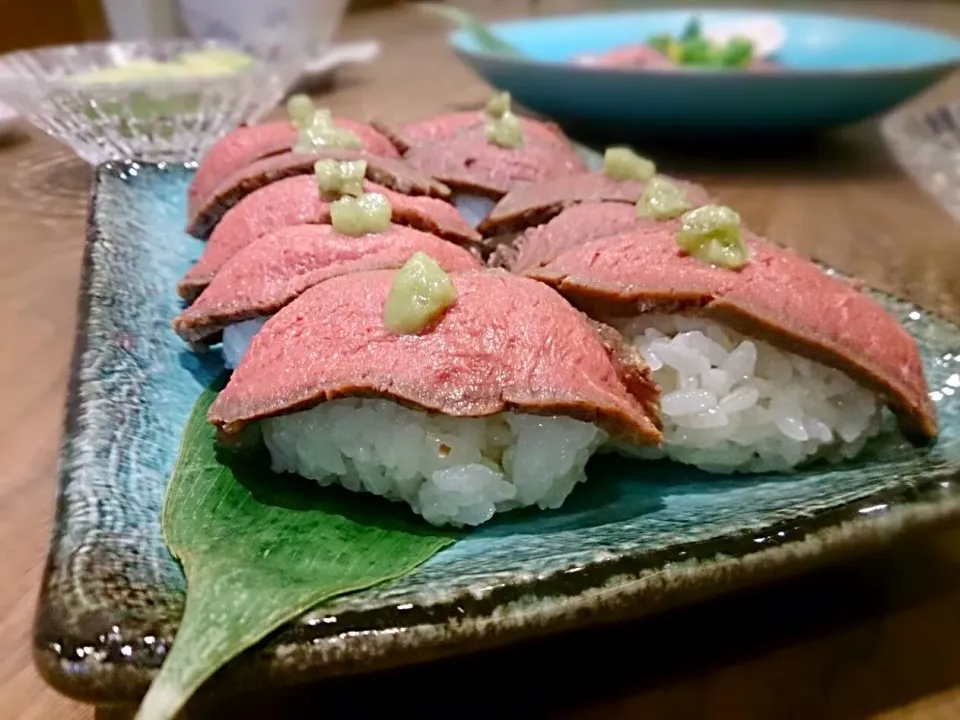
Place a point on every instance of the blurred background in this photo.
(49, 22)
(27, 24)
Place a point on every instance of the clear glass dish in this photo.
(153, 120)
(927, 145)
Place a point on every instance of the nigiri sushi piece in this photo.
(482, 155)
(492, 399)
(447, 126)
(275, 269)
(581, 220)
(765, 363)
(394, 174)
(299, 200)
(246, 144)
(536, 222)
(625, 179)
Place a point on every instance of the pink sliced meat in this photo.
(644, 57)
(507, 343)
(574, 226)
(630, 56)
(778, 297)
(389, 172)
(296, 201)
(470, 163)
(445, 127)
(536, 203)
(246, 144)
(276, 268)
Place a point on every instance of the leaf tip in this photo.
(162, 702)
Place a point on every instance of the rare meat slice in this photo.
(536, 203)
(644, 57)
(246, 144)
(777, 297)
(507, 343)
(276, 268)
(389, 172)
(468, 162)
(297, 200)
(574, 226)
(441, 128)
(632, 56)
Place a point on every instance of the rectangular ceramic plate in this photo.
(635, 539)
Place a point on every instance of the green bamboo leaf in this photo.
(259, 550)
(484, 36)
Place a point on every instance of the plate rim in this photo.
(455, 39)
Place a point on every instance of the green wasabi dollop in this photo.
(622, 163)
(340, 177)
(662, 200)
(502, 127)
(421, 292)
(300, 110)
(505, 131)
(498, 106)
(368, 213)
(317, 129)
(712, 234)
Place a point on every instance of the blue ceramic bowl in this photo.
(838, 70)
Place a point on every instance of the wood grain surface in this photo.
(879, 638)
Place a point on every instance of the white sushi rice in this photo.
(237, 338)
(456, 471)
(732, 404)
(474, 208)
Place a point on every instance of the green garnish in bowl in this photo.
(694, 49)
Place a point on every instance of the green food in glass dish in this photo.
(197, 63)
(151, 111)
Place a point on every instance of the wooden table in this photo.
(876, 638)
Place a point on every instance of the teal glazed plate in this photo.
(635, 540)
(836, 70)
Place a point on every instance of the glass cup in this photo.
(307, 25)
